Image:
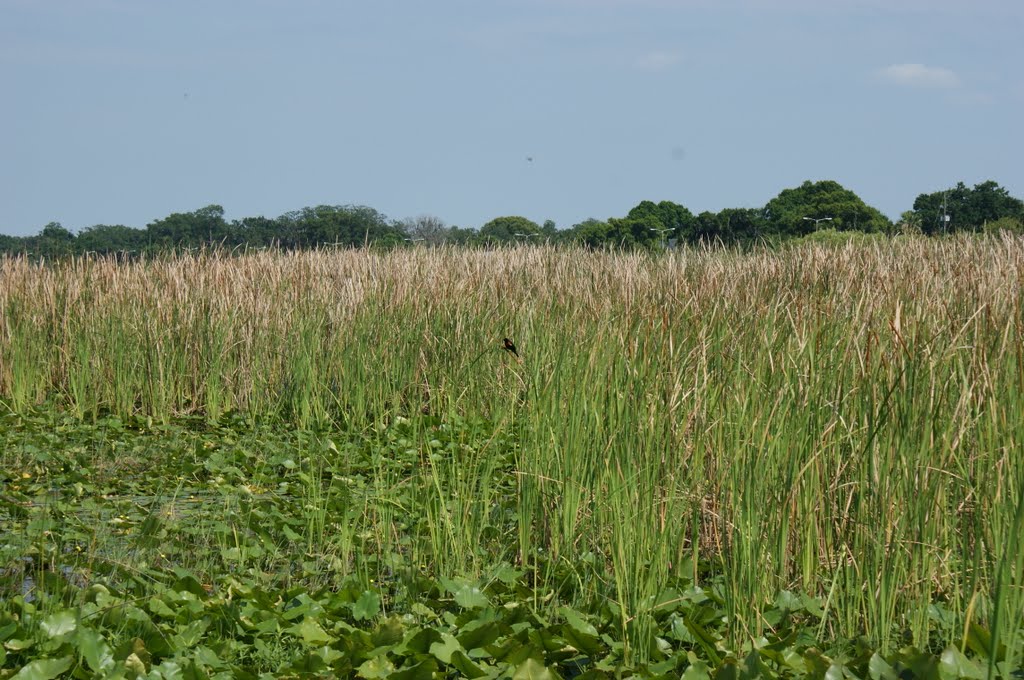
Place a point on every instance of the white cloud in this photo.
(658, 60)
(919, 75)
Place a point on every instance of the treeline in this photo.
(796, 212)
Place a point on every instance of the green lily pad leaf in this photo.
(311, 632)
(576, 621)
(388, 633)
(367, 606)
(531, 669)
(422, 640)
(664, 667)
(59, 623)
(466, 666)
(16, 644)
(95, 650)
(789, 601)
(44, 669)
(467, 595)
(444, 649)
(477, 634)
(192, 634)
(697, 670)
(377, 667)
(729, 670)
(470, 597)
(879, 668)
(424, 670)
(579, 633)
(159, 607)
(954, 665)
(135, 664)
(508, 574)
(8, 630)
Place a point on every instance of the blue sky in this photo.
(123, 111)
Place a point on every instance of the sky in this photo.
(124, 111)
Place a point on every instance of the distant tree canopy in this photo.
(795, 212)
(968, 209)
(799, 211)
(506, 229)
(650, 223)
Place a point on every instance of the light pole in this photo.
(525, 236)
(664, 240)
(820, 219)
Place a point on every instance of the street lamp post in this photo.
(820, 219)
(664, 240)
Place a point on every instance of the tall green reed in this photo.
(832, 420)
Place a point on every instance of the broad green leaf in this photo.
(159, 607)
(953, 665)
(367, 606)
(470, 597)
(879, 668)
(466, 666)
(135, 664)
(979, 639)
(311, 632)
(697, 670)
(17, 645)
(729, 670)
(424, 670)
(531, 669)
(478, 634)
(8, 630)
(444, 649)
(95, 650)
(377, 667)
(59, 623)
(44, 669)
(192, 634)
(388, 633)
(576, 621)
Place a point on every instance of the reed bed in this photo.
(845, 422)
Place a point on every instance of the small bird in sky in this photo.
(509, 346)
(529, 158)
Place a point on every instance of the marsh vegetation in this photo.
(803, 462)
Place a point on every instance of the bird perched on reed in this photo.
(509, 346)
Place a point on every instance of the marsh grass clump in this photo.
(823, 438)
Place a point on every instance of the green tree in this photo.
(591, 233)
(740, 225)
(793, 211)
(910, 222)
(509, 229)
(256, 232)
(16, 244)
(205, 226)
(969, 209)
(341, 225)
(111, 238)
(665, 220)
(55, 241)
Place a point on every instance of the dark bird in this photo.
(509, 346)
